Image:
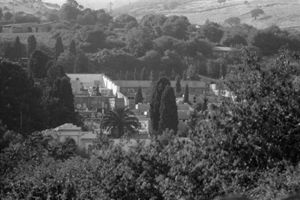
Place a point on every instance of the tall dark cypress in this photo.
(59, 47)
(139, 96)
(178, 85)
(60, 103)
(186, 94)
(73, 48)
(31, 45)
(37, 66)
(17, 49)
(168, 111)
(81, 63)
(155, 102)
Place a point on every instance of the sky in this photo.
(95, 4)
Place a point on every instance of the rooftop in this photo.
(68, 127)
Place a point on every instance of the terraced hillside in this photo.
(285, 14)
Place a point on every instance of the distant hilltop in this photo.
(284, 14)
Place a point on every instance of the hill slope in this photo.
(27, 6)
(284, 14)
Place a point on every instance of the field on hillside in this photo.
(29, 6)
(284, 14)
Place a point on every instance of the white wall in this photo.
(108, 83)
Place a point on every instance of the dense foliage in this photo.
(247, 144)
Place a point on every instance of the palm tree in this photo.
(122, 120)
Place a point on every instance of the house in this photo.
(90, 82)
(84, 140)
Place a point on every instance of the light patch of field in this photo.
(285, 14)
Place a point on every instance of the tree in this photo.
(234, 40)
(139, 41)
(67, 61)
(168, 111)
(69, 11)
(214, 68)
(31, 45)
(17, 49)
(171, 62)
(213, 31)
(20, 101)
(87, 18)
(59, 102)
(178, 86)
(94, 39)
(1, 14)
(63, 150)
(176, 26)
(103, 18)
(81, 63)
(59, 47)
(73, 48)
(157, 92)
(8, 16)
(152, 60)
(54, 71)
(186, 94)
(256, 12)
(233, 21)
(139, 96)
(143, 74)
(265, 113)
(37, 66)
(154, 23)
(270, 40)
(122, 21)
(120, 121)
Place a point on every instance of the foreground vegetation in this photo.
(248, 146)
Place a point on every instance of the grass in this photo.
(284, 14)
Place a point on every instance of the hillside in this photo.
(283, 14)
(27, 6)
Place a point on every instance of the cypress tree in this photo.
(31, 45)
(73, 48)
(151, 76)
(59, 47)
(134, 74)
(60, 103)
(1, 13)
(178, 85)
(139, 96)
(186, 94)
(54, 71)
(17, 49)
(156, 101)
(126, 75)
(142, 74)
(38, 64)
(168, 111)
(20, 100)
(81, 63)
